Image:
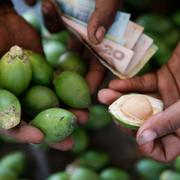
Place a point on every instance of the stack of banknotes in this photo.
(125, 49)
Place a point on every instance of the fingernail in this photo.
(100, 33)
(146, 136)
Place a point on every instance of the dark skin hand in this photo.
(15, 30)
(159, 136)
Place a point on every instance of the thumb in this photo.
(160, 125)
(101, 19)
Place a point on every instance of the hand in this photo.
(99, 22)
(158, 137)
(15, 30)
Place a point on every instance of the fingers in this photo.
(165, 149)
(29, 134)
(64, 145)
(95, 75)
(144, 84)
(171, 145)
(25, 134)
(30, 2)
(108, 96)
(173, 65)
(51, 17)
(167, 86)
(82, 115)
(159, 125)
(101, 19)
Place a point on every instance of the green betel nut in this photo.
(83, 173)
(59, 176)
(15, 71)
(169, 175)
(15, 161)
(99, 117)
(53, 50)
(42, 72)
(133, 110)
(113, 174)
(55, 123)
(150, 169)
(88, 158)
(72, 89)
(7, 174)
(81, 140)
(10, 110)
(37, 99)
(71, 61)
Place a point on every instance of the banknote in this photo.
(110, 53)
(117, 30)
(150, 52)
(140, 48)
(132, 34)
(117, 56)
(148, 55)
(79, 9)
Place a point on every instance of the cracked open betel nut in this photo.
(133, 109)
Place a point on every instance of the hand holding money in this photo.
(124, 50)
(99, 22)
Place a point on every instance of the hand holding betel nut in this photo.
(158, 137)
(14, 33)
